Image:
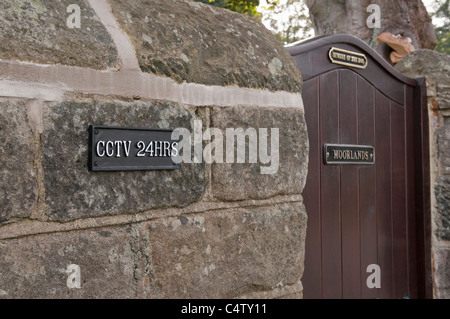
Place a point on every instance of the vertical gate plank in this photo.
(413, 243)
(384, 192)
(313, 250)
(398, 149)
(330, 190)
(348, 128)
(422, 187)
(367, 175)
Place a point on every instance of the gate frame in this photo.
(421, 143)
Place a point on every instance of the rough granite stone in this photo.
(228, 253)
(193, 42)
(254, 251)
(443, 203)
(442, 189)
(435, 67)
(239, 181)
(442, 275)
(72, 192)
(35, 267)
(222, 254)
(444, 143)
(18, 148)
(37, 31)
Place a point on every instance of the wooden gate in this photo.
(367, 193)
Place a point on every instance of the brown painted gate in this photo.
(360, 214)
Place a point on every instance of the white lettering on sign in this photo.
(113, 148)
(157, 149)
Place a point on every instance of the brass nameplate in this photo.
(338, 154)
(348, 58)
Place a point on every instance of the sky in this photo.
(428, 3)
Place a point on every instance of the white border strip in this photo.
(16, 79)
(125, 48)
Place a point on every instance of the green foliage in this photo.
(443, 30)
(216, 3)
(241, 6)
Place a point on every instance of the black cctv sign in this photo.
(130, 149)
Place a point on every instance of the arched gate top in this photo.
(313, 58)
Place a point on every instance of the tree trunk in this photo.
(408, 18)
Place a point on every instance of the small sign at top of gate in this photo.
(348, 58)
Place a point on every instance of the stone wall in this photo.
(435, 68)
(202, 231)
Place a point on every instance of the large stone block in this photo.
(442, 275)
(442, 188)
(443, 201)
(227, 253)
(444, 144)
(239, 181)
(37, 31)
(221, 254)
(35, 267)
(435, 67)
(193, 42)
(424, 63)
(18, 151)
(72, 192)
